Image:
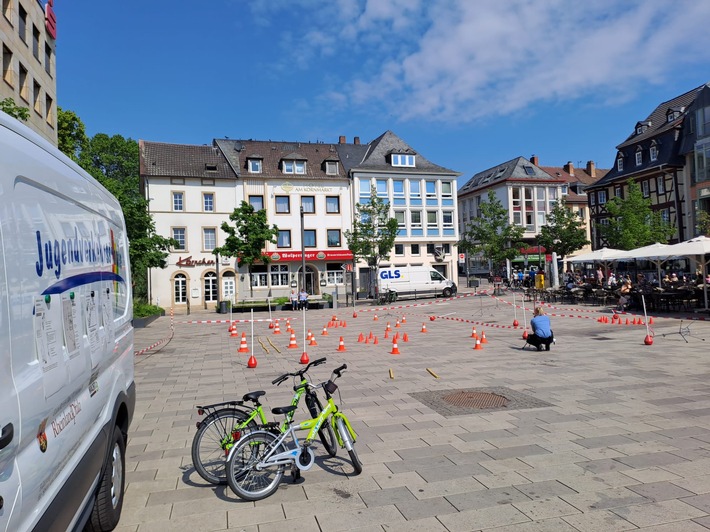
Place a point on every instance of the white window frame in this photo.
(279, 274)
(430, 195)
(331, 167)
(414, 224)
(288, 205)
(398, 183)
(205, 201)
(399, 252)
(447, 219)
(173, 232)
(620, 164)
(328, 209)
(180, 288)
(205, 231)
(210, 287)
(400, 216)
(660, 185)
(255, 166)
(178, 201)
(646, 188)
(639, 157)
(313, 204)
(653, 153)
(601, 197)
(415, 189)
(432, 224)
(403, 159)
(287, 235)
(447, 189)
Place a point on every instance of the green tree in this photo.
(492, 234)
(632, 222)
(247, 238)
(9, 106)
(564, 232)
(703, 223)
(71, 133)
(373, 234)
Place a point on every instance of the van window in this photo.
(436, 276)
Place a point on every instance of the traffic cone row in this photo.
(478, 344)
(276, 328)
(292, 342)
(395, 348)
(233, 333)
(325, 331)
(243, 347)
(473, 333)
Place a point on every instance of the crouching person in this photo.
(542, 335)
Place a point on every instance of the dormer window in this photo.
(210, 167)
(653, 152)
(641, 127)
(402, 159)
(331, 167)
(254, 166)
(639, 156)
(294, 167)
(620, 164)
(674, 113)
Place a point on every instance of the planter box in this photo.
(140, 323)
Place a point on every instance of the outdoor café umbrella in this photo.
(656, 253)
(603, 255)
(698, 248)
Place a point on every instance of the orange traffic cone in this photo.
(370, 337)
(375, 341)
(234, 333)
(388, 328)
(276, 328)
(334, 318)
(251, 363)
(341, 346)
(387, 333)
(325, 331)
(343, 323)
(243, 347)
(483, 337)
(313, 340)
(292, 342)
(404, 319)
(478, 344)
(304, 358)
(628, 322)
(232, 326)
(395, 349)
(423, 327)
(361, 338)
(650, 321)
(473, 334)
(375, 318)
(397, 325)
(405, 338)
(367, 340)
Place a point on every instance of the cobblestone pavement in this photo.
(603, 432)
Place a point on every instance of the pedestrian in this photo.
(294, 299)
(600, 276)
(542, 334)
(303, 298)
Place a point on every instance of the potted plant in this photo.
(328, 298)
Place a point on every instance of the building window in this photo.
(432, 220)
(399, 249)
(399, 216)
(180, 288)
(283, 205)
(414, 248)
(259, 277)
(180, 239)
(415, 189)
(430, 249)
(210, 286)
(309, 204)
(48, 59)
(331, 167)
(209, 238)
(592, 199)
(24, 83)
(529, 170)
(333, 238)
(581, 213)
(36, 100)
(430, 189)
(7, 71)
(602, 197)
(309, 238)
(400, 159)
(653, 153)
(35, 42)
(49, 109)
(703, 121)
(446, 189)
(332, 204)
(639, 157)
(254, 166)
(22, 27)
(381, 185)
(279, 274)
(617, 191)
(7, 9)
(416, 219)
(660, 185)
(257, 202)
(178, 201)
(334, 273)
(208, 202)
(398, 188)
(447, 219)
(620, 164)
(294, 167)
(284, 238)
(666, 216)
(646, 189)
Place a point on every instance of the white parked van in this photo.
(67, 393)
(411, 281)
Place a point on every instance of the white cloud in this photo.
(460, 60)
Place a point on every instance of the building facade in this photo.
(28, 31)
(422, 196)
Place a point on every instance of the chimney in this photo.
(341, 140)
(535, 160)
(569, 168)
(356, 141)
(591, 169)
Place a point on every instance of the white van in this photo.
(411, 281)
(67, 393)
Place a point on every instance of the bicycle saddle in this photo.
(283, 409)
(253, 396)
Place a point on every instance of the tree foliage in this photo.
(9, 106)
(564, 232)
(492, 234)
(703, 223)
(114, 162)
(632, 222)
(247, 237)
(373, 233)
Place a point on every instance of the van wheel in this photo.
(447, 292)
(109, 500)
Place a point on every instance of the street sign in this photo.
(462, 258)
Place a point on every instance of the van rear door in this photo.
(9, 408)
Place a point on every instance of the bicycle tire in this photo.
(242, 476)
(209, 451)
(326, 434)
(349, 444)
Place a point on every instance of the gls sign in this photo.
(395, 274)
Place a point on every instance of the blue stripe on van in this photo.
(80, 280)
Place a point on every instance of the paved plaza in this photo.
(602, 433)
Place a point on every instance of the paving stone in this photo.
(487, 498)
(658, 513)
(499, 516)
(662, 491)
(387, 496)
(419, 509)
(544, 490)
(547, 508)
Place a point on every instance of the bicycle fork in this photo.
(344, 431)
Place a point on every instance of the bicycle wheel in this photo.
(349, 444)
(326, 434)
(245, 480)
(212, 442)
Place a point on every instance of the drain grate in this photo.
(479, 400)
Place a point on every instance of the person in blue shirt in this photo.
(541, 330)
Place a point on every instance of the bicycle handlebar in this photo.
(300, 373)
(339, 371)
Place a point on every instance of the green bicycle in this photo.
(227, 422)
(256, 464)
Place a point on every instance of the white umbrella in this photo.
(698, 248)
(603, 255)
(656, 253)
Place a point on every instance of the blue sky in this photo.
(468, 84)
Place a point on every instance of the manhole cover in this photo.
(475, 400)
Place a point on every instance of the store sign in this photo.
(188, 262)
(50, 19)
(290, 256)
(301, 189)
